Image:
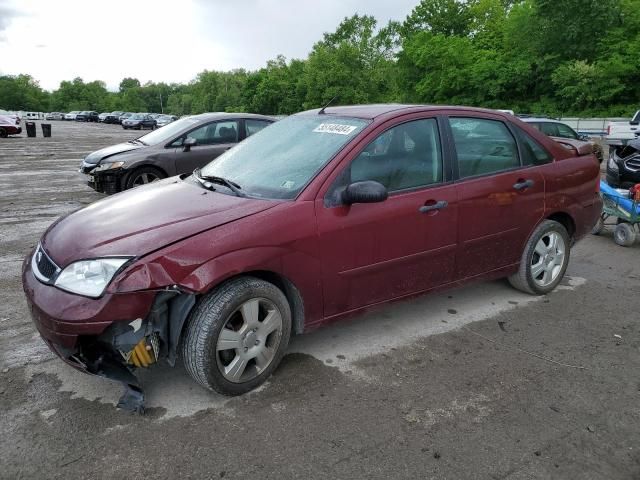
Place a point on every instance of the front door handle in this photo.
(436, 206)
(524, 184)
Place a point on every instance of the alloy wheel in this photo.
(144, 178)
(249, 340)
(548, 259)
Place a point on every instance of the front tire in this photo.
(3, 133)
(237, 335)
(624, 235)
(142, 176)
(544, 261)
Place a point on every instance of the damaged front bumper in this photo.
(103, 180)
(110, 336)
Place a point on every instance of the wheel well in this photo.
(565, 220)
(290, 291)
(148, 165)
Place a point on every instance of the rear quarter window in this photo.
(532, 152)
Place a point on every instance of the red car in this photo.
(9, 125)
(316, 217)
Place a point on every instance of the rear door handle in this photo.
(436, 206)
(523, 184)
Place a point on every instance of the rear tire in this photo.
(237, 335)
(544, 261)
(624, 235)
(599, 226)
(142, 176)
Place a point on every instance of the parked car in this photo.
(155, 115)
(103, 116)
(623, 166)
(124, 116)
(87, 116)
(71, 115)
(113, 117)
(31, 116)
(619, 133)
(139, 121)
(557, 129)
(163, 120)
(178, 148)
(317, 217)
(9, 125)
(54, 116)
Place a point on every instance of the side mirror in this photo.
(188, 143)
(364, 192)
(584, 138)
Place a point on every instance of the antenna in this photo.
(321, 112)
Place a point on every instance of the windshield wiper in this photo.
(137, 140)
(231, 185)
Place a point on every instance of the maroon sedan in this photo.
(9, 125)
(314, 218)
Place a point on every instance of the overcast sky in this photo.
(165, 40)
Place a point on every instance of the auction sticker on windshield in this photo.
(334, 128)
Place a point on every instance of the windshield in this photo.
(137, 116)
(280, 160)
(169, 131)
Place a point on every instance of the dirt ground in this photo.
(480, 382)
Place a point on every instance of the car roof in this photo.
(539, 120)
(225, 115)
(370, 112)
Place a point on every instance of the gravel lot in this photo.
(479, 382)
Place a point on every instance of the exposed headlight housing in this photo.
(89, 277)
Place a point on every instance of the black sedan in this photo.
(87, 116)
(139, 121)
(113, 117)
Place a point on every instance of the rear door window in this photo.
(566, 132)
(549, 129)
(483, 146)
(214, 133)
(254, 126)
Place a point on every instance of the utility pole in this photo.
(161, 107)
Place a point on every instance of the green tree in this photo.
(128, 83)
(22, 92)
(354, 64)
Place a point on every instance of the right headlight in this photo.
(89, 277)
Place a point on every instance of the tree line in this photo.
(553, 57)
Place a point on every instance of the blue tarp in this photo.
(623, 200)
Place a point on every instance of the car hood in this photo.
(95, 157)
(140, 221)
